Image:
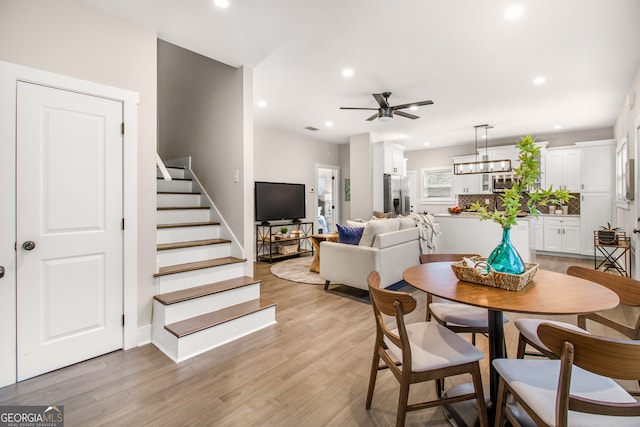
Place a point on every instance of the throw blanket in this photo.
(428, 233)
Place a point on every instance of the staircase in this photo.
(203, 298)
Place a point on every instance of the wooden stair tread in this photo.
(198, 265)
(187, 224)
(208, 320)
(204, 290)
(178, 208)
(191, 244)
(175, 179)
(178, 192)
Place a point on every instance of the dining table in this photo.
(548, 293)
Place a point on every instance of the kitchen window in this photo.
(437, 185)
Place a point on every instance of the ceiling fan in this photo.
(386, 111)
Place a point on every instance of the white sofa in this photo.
(390, 254)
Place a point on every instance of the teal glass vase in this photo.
(505, 258)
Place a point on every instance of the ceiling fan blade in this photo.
(381, 100)
(407, 115)
(357, 108)
(375, 116)
(412, 104)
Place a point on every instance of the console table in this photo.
(271, 247)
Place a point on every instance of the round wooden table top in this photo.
(547, 293)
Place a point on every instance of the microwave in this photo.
(500, 183)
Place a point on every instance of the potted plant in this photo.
(504, 257)
(607, 235)
(284, 230)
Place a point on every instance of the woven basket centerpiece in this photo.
(510, 282)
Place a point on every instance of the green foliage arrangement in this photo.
(525, 177)
(284, 230)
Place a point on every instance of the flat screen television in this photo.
(276, 201)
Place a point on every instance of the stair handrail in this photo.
(163, 169)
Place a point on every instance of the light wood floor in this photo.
(310, 369)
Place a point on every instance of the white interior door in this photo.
(69, 205)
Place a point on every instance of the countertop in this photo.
(475, 215)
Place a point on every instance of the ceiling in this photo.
(477, 66)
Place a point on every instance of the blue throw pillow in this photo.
(350, 236)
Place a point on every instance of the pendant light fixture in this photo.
(485, 165)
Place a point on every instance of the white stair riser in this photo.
(174, 185)
(189, 279)
(187, 234)
(179, 216)
(178, 200)
(174, 172)
(207, 304)
(193, 254)
(200, 342)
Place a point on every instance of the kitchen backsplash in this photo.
(465, 200)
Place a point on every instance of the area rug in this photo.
(297, 270)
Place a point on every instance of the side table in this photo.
(616, 254)
(315, 240)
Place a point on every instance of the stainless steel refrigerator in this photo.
(396, 195)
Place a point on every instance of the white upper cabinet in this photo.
(562, 168)
(466, 184)
(394, 161)
(597, 168)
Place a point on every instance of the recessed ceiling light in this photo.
(221, 3)
(426, 144)
(557, 127)
(513, 12)
(262, 103)
(347, 72)
(328, 124)
(539, 80)
(413, 108)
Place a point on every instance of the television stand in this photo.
(272, 245)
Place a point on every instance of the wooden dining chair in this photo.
(460, 318)
(627, 289)
(576, 390)
(418, 352)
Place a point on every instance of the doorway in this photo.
(327, 198)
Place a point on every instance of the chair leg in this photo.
(326, 284)
(473, 338)
(477, 386)
(403, 399)
(439, 387)
(501, 404)
(372, 376)
(522, 344)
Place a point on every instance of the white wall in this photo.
(72, 38)
(625, 127)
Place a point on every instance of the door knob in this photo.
(635, 231)
(1, 271)
(28, 245)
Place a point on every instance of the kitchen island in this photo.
(465, 233)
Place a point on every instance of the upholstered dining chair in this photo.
(628, 291)
(460, 318)
(576, 390)
(418, 352)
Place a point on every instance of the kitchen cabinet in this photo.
(539, 233)
(595, 210)
(562, 168)
(597, 166)
(394, 161)
(466, 184)
(562, 235)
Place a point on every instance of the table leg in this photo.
(496, 349)
(466, 413)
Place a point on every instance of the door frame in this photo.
(10, 74)
(335, 190)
